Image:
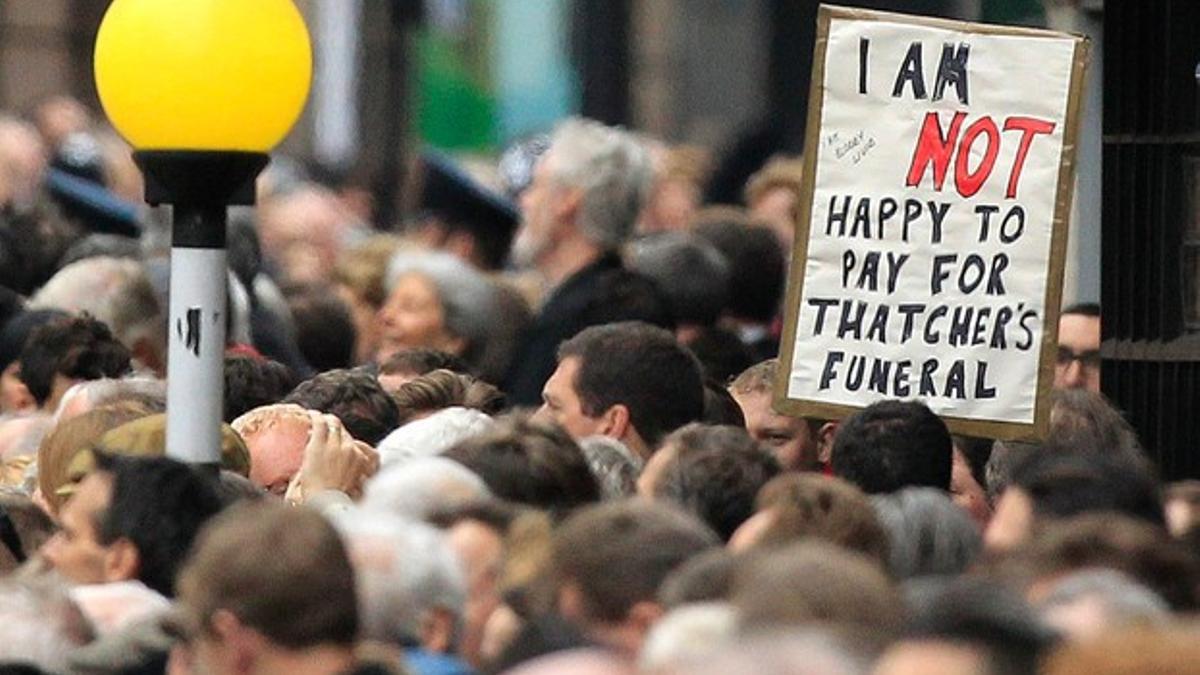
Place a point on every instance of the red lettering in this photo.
(966, 181)
(934, 147)
(1029, 127)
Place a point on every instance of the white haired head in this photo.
(116, 291)
(687, 632)
(613, 170)
(432, 435)
(468, 299)
(39, 625)
(406, 575)
(422, 486)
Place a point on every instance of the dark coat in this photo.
(602, 292)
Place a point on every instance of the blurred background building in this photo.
(470, 76)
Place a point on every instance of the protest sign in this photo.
(939, 163)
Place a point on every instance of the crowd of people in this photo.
(528, 430)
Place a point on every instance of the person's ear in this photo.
(568, 206)
(437, 630)
(643, 615)
(21, 398)
(825, 442)
(241, 643)
(615, 421)
(570, 602)
(122, 562)
(462, 244)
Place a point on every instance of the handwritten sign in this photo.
(928, 265)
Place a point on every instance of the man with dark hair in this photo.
(609, 561)
(131, 518)
(408, 364)
(713, 472)
(968, 477)
(269, 589)
(530, 462)
(968, 625)
(757, 273)
(1051, 485)
(353, 396)
(1081, 422)
(14, 395)
(893, 444)
(630, 381)
(69, 350)
(1078, 364)
(325, 331)
(251, 382)
(720, 407)
(692, 274)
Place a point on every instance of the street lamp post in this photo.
(203, 90)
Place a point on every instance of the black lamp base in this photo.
(200, 177)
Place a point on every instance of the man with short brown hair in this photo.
(269, 589)
(609, 561)
(796, 442)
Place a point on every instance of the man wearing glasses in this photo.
(1078, 365)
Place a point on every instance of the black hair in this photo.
(893, 444)
(1083, 309)
(159, 505)
(984, 615)
(721, 352)
(251, 382)
(355, 397)
(976, 451)
(691, 273)
(641, 367)
(325, 331)
(720, 407)
(622, 295)
(78, 347)
(757, 268)
(1061, 485)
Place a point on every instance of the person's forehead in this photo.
(757, 405)
(1078, 330)
(283, 431)
(563, 378)
(473, 538)
(414, 284)
(927, 656)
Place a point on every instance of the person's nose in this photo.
(1076, 376)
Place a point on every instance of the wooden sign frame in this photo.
(997, 429)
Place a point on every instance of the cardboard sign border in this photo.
(1058, 238)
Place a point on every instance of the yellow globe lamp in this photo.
(211, 75)
(203, 90)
